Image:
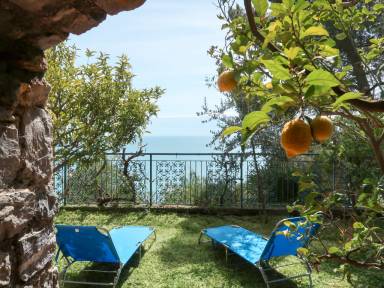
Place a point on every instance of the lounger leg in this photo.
(263, 274)
(309, 270)
(64, 273)
(264, 266)
(201, 235)
(117, 277)
(200, 241)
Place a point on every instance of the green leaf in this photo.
(230, 130)
(243, 49)
(292, 52)
(300, 5)
(227, 61)
(252, 120)
(282, 101)
(277, 9)
(316, 91)
(322, 78)
(358, 225)
(348, 246)
(271, 36)
(290, 225)
(277, 70)
(302, 251)
(378, 7)
(347, 96)
(341, 36)
(261, 7)
(288, 3)
(327, 51)
(314, 31)
(333, 250)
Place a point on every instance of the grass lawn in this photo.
(176, 260)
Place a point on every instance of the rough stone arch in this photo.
(27, 200)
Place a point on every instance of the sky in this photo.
(166, 42)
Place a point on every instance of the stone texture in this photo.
(48, 279)
(5, 269)
(36, 250)
(34, 93)
(77, 22)
(6, 115)
(54, 19)
(37, 63)
(46, 204)
(113, 7)
(9, 153)
(27, 200)
(9, 89)
(17, 207)
(36, 147)
(50, 40)
(33, 5)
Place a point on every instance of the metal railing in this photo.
(232, 180)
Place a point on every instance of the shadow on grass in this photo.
(360, 277)
(183, 249)
(131, 265)
(78, 274)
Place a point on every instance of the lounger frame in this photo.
(63, 274)
(263, 266)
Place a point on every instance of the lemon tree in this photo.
(310, 59)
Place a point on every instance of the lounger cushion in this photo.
(241, 241)
(86, 243)
(128, 239)
(281, 244)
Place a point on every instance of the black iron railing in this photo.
(195, 179)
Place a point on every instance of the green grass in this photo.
(176, 260)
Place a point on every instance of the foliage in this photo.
(350, 152)
(305, 58)
(289, 55)
(360, 232)
(94, 107)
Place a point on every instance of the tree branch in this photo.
(352, 262)
(253, 26)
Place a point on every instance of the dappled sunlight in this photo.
(176, 260)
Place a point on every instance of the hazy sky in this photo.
(167, 43)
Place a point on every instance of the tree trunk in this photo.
(379, 154)
(260, 192)
(347, 46)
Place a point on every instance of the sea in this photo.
(175, 144)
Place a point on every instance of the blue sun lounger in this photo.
(92, 244)
(288, 235)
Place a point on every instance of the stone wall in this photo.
(27, 201)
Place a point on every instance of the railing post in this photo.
(150, 180)
(241, 181)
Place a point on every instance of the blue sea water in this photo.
(175, 144)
